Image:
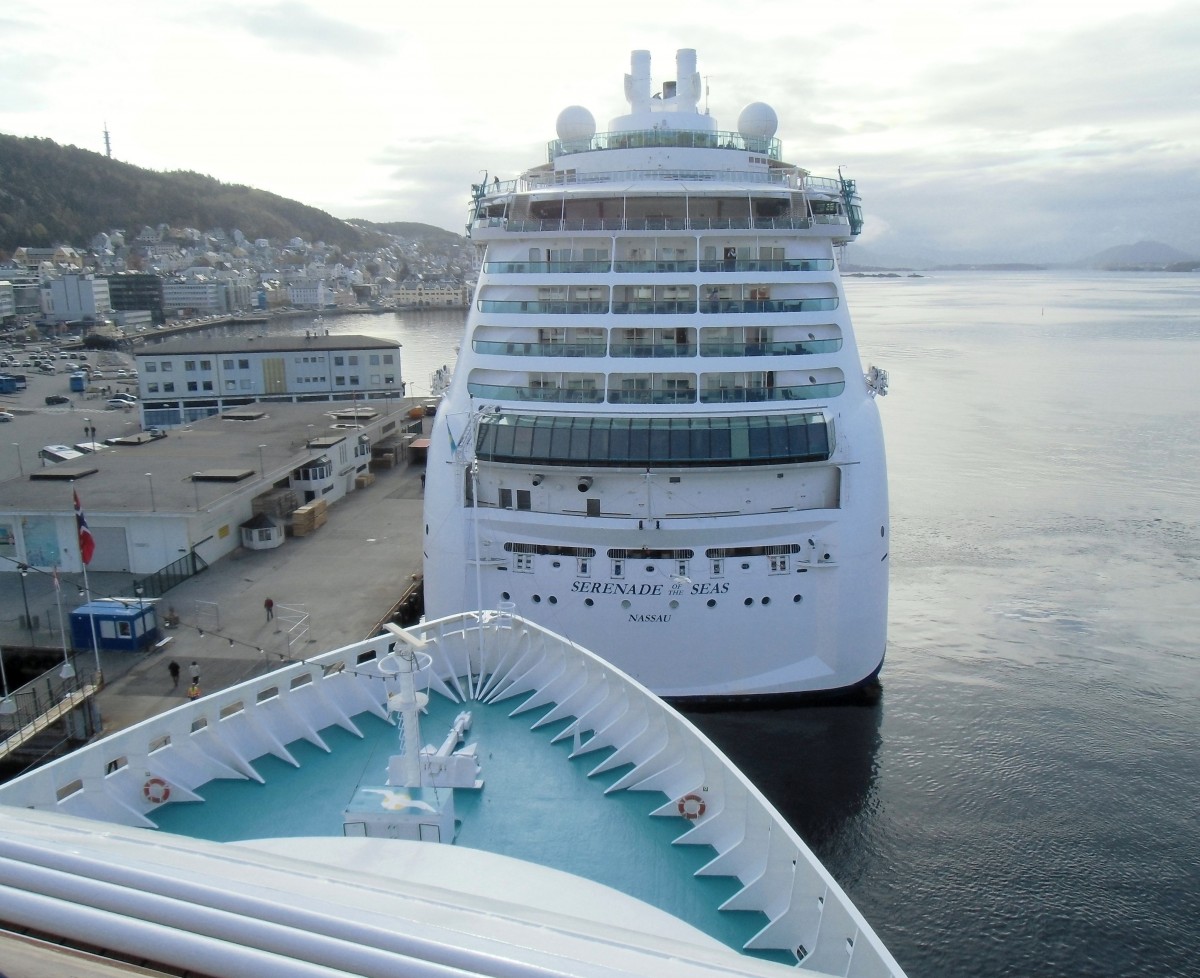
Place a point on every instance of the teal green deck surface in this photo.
(536, 805)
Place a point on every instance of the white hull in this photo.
(622, 297)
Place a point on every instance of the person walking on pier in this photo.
(173, 669)
(269, 605)
(195, 673)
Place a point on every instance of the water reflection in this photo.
(816, 764)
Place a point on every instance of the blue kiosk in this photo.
(121, 626)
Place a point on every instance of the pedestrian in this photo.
(270, 607)
(173, 669)
(195, 673)
(194, 691)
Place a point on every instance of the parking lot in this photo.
(35, 424)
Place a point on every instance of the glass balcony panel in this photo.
(505, 348)
(560, 307)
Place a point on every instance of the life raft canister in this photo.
(156, 790)
(691, 807)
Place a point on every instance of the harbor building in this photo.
(186, 379)
(157, 500)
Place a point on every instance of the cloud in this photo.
(300, 28)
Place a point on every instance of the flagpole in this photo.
(92, 618)
(68, 670)
(81, 526)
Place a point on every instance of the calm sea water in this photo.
(1023, 799)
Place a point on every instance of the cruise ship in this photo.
(659, 440)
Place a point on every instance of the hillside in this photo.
(52, 194)
(1143, 254)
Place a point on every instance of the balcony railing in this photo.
(561, 395)
(767, 265)
(666, 138)
(805, 392)
(530, 225)
(655, 307)
(767, 305)
(541, 349)
(652, 350)
(545, 267)
(653, 396)
(685, 265)
(559, 307)
(779, 349)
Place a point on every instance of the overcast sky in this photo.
(977, 129)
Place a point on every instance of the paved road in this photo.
(329, 589)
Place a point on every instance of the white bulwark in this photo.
(187, 379)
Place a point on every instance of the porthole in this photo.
(766, 600)
(649, 568)
(881, 531)
(797, 598)
(712, 602)
(556, 564)
(537, 599)
(673, 604)
(625, 604)
(748, 602)
(745, 566)
(505, 596)
(589, 602)
(552, 599)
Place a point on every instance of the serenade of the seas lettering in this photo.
(596, 587)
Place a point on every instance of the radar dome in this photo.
(575, 123)
(758, 121)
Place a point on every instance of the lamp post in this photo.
(261, 470)
(139, 590)
(7, 706)
(24, 569)
(20, 465)
(150, 479)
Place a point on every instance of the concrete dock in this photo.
(329, 589)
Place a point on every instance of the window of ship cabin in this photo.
(758, 293)
(681, 568)
(523, 563)
(506, 499)
(770, 254)
(584, 567)
(717, 567)
(593, 506)
(779, 563)
(524, 499)
(595, 254)
(591, 293)
(555, 335)
(618, 567)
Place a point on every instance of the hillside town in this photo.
(143, 280)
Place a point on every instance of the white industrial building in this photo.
(188, 378)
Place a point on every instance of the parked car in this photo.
(119, 402)
(57, 399)
(6, 415)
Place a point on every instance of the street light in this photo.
(138, 590)
(150, 478)
(20, 466)
(24, 569)
(7, 706)
(261, 470)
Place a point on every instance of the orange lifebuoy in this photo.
(156, 790)
(691, 807)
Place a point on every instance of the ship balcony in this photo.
(715, 302)
(767, 265)
(719, 393)
(654, 389)
(647, 265)
(550, 349)
(552, 390)
(781, 348)
(557, 307)
(654, 300)
(547, 267)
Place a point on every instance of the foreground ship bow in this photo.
(659, 440)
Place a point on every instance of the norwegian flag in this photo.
(87, 543)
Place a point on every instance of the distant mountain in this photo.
(52, 194)
(413, 230)
(1144, 254)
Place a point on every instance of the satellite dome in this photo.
(758, 121)
(575, 123)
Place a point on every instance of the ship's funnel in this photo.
(637, 82)
(687, 78)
